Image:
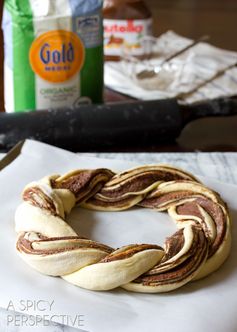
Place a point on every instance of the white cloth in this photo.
(182, 75)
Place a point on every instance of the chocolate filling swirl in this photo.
(198, 248)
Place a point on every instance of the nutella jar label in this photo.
(125, 36)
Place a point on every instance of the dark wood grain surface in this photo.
(191, 18)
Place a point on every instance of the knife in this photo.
(109, 126)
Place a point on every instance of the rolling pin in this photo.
(109, 126)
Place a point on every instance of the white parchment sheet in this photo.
(209, 304)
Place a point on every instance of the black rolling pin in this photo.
(108, 126)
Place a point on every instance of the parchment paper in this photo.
(209, 304)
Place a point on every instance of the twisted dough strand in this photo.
(47, 243)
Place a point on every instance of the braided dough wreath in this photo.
(199, 247)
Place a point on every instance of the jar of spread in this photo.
(126, 23)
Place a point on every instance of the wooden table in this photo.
(191, 18)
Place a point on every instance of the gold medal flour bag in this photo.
(53, 53)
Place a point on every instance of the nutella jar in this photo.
(126, 23)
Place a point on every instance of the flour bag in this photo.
(53, 53)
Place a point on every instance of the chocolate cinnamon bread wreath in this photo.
(199, 247)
